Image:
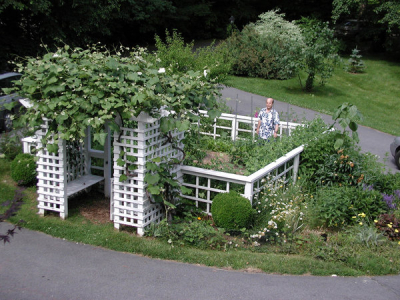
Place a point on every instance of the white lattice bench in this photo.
(82, 183)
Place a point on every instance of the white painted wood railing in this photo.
(240, 125)
(205, 184)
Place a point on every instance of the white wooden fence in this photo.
(205, 184)
(238, 126)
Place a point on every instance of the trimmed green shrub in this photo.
(23, 169)
(231, 211)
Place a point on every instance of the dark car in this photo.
(7, 81)
(395, 150)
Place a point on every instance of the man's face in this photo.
(269, 102)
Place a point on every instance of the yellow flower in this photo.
(360, 223)
(399, 242)
(298, 178)
(198, 218)
(354, 217)
(362, 215)
(376, 221)
(390, 225)
(396, 230)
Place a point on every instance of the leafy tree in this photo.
(383, 17)
(320, 55)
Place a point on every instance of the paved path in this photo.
(38, 266)
(371, 140)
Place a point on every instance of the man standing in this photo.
(268, 123)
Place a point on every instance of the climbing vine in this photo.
(76, 88)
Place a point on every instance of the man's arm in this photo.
(276, 130)
(258, 126)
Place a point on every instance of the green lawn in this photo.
(376, 92)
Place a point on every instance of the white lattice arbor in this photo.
(130, 204)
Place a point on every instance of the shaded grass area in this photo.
(375, 92)
(80, 229)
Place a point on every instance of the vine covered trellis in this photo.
(73, 89)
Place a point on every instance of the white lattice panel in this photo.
(131, 204)
(51, 179)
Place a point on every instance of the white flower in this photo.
(140, 73)
(205, 73)
(55, 55)
(161, 70)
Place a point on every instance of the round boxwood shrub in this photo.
(23, 169)
(231, 211)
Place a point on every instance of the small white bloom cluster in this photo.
(281, 206)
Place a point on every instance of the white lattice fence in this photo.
(131, 204)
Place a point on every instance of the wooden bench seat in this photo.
(82, 183)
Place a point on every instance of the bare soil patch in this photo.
(97, 210)
(222, 161)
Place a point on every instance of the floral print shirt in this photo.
(268, 122)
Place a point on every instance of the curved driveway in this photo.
(38, 266)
